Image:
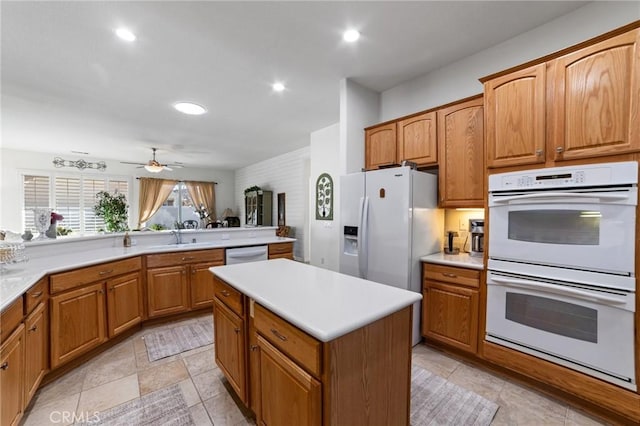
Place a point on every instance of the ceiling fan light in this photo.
(153, 168)
(189, 108)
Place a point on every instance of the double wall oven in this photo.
(561, 274)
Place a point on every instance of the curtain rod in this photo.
(179, 180)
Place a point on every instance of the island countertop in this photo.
(321, 302)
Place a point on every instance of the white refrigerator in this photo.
(389, 219)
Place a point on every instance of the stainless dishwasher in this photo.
(246, 254)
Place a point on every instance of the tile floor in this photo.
(124, 372)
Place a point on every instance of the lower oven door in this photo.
(584, 329)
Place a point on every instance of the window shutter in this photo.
(67, 201)
(36, 195)
(92, 223)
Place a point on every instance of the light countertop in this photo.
(18, 278)
(321, 302)
(462, 260)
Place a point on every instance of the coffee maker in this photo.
(476, 227)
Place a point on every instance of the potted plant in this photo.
(113, 209)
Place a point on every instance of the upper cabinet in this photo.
(258, 208)
(461, 146)
(380, 146)
(580, 105)
(515, 118)
(594, 99)
(417, 139)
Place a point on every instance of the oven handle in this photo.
(550, 288)
(565, 195)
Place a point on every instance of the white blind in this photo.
(72, 196)
(36, 195)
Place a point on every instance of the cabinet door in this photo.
(450, 315)
(124, 303)
(461, 145)
(514, 108)
(596, 90)
(36, 350)
(11, 378)
(380, 146)
(202, 285)
(167, 290)
(288, 394)
(77, 322)
(417, 139)
(230, 347)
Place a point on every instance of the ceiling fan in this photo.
(153, 165)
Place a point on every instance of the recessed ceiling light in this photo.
(125, 34)
(278, 87)
(351, 35)
(189, 108)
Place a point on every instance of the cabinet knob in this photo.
(539, 152)
(559, 149)
(278, 335)
(447, 274)
(193, 272)
(254, 348)
(37, 294)
(184, 259)
(237, 330)
(105, 272)
(225, 293)
(100, 292)
(111, 289)
(4, 365)
(34, 328)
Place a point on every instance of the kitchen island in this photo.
(305, 345)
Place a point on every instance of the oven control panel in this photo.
(604, 174)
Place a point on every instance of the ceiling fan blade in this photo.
(175, 166)
(165, 167)
(129, 162)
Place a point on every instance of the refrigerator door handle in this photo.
(363, 243)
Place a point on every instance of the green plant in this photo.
(157, 227)
(62, 231)
(252, 189)
(113, 209)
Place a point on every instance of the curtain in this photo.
(153, 192)
(203, 194)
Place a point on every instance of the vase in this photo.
(52, 231)
(42, 221)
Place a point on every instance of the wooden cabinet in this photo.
(77, 322)
(36, 350)
(595, 93)
(258, 208)
(461, 147)
(515, 108)
(380, 146)
(180, 281)
(124, 303)
(416, 139)
(12, 377)
(580, 105)
(281, 251)
(288, 394)
(450, 305)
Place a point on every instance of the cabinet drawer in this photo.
(80, 277)
(228, 295)
(280, 248)
(182, 257)
(450, 274)
(35, 295)
(10, 318)
(289, 339)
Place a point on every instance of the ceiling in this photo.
(68, 84)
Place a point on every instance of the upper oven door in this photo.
(593, 231)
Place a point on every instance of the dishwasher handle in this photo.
(246, 253)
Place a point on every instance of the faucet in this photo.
(176, 233)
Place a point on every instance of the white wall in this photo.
(359, 108)
(13, 162)
(288, 173)
(460, 79)
(325, 234)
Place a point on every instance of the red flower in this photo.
(55, 217)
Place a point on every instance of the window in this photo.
(177, 208)
(72, 196)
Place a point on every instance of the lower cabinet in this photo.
(229, 335)
(202, 285)
(124, 303)
(11, 377)
(77, 322)
(288, 394)
(167, 291)
(450, 305)
(36, 350)
(281, 251)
